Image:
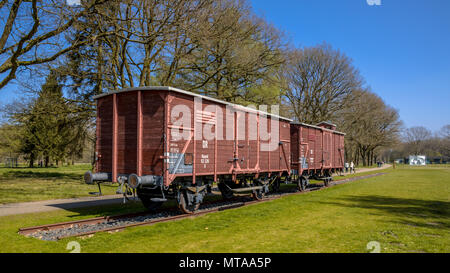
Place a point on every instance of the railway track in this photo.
(85, 227)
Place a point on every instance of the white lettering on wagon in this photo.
(241, 123)
(204, 160)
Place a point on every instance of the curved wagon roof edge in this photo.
(173, 89)
(317, 127)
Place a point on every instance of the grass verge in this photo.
(33, 184)
(406, 210)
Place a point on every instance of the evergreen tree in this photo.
(49, 117)
(52, 128)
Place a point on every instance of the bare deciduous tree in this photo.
(234, 50)
(416, 138)
(445, 141)
(319, 82)
(32, 32)
(370, 124)
(445, 131)
(214, 47)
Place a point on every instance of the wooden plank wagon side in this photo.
(165, 143)
(317, 152)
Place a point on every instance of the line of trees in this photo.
(322, 84)
(419, 140)
(33, 32)
(215, 47)
(218, 48)
(47, 128)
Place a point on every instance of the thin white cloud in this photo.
(73, 2)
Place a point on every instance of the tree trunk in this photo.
(363, 153)
(32, 158)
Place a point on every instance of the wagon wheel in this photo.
(183, 203)
(225, 191)
(257, 194)
(301, 183)
(147, 202)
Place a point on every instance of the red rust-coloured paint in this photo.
(321, 147)
(134, 136)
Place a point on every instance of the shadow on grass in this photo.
(41, 175)
(413, 212)
(101, 208)
(27, 167)
(115, 206)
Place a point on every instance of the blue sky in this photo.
(402, 47)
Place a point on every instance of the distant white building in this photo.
(417, 160)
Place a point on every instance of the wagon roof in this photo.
(326, 123)
(168, 88)
(317, 127)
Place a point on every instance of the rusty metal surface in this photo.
(315, 149)
(134, 137)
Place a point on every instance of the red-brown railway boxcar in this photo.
(169, 143)
(316, 151)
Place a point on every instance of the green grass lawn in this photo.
(406, 210)
(435, 166)
(32, 184)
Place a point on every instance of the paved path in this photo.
(57, 204)
(363, 170)
(72, 203)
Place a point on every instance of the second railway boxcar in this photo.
(165, 142)
(316, 151)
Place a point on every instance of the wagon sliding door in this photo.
(181, 141)
(313, 151)
(205, 148)
(253, 141)
(285, 145)
(242, 140)
(225, 140)
(327, 149)
(304, 149)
